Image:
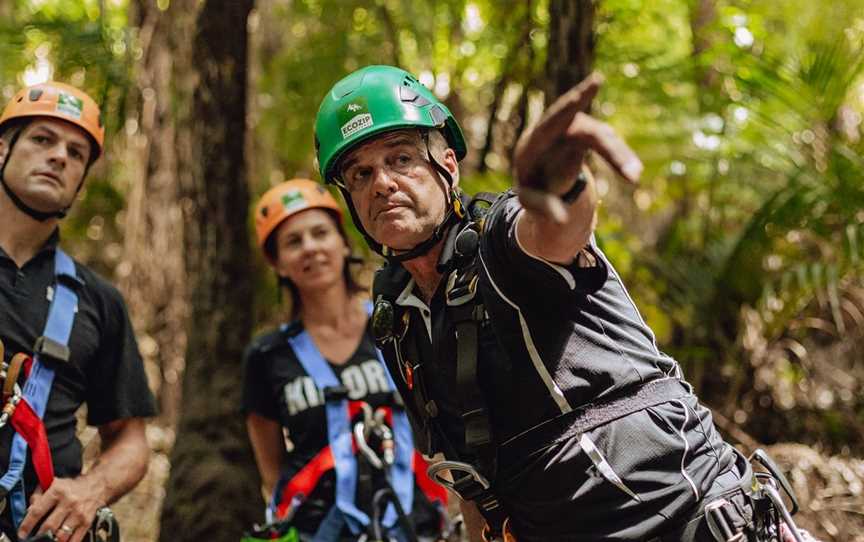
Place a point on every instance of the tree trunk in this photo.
(213, 487)
(155, 287)
(570, 53)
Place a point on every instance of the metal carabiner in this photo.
(104, 528)
(9, 408)
(780, 506)
(363, 446)
(761, 456)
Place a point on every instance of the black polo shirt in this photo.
(557, 338)
(105, 370)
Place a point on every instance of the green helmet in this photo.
(373, 100)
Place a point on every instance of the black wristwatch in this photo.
(571, 195)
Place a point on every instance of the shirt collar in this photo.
(48, 247)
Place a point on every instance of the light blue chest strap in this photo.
(54, 340)
(339, 434)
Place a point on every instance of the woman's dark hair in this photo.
(351, 283)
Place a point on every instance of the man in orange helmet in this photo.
(67, 327)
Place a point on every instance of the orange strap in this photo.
(506, 535)
(12, 374)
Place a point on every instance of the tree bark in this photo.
(570, 53)
(155, 287)
(213, 487)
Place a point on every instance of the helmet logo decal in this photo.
(359, 122)
(355, 117)
(70, 105)
(293, 199)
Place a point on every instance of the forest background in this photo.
(743, 245)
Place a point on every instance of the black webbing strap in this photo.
(467, 314)
(475, 415)
(604, 410)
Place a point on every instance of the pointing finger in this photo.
(601, 138)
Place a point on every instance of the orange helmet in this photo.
(289, 198)
(60, 101)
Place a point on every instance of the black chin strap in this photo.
(35, 214)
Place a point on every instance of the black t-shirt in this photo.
(557, 338)
(105, 370)
(276, 386)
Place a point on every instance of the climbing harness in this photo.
(26, 409)
(387, 427)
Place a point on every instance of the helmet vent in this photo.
(35, 94)
(438, 115)
(408, 95)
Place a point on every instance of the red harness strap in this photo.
(30, 426)
(304, 482)
(432, 490)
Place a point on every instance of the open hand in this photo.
(549, 155)
(67, 508)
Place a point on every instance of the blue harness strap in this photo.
(55, 338)
(340, 436)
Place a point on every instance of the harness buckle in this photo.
(719, 524)
(71, 281)
(46, 346)
(460, 289)
(335, 393)
(466, 487)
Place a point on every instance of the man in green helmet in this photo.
(519, 353)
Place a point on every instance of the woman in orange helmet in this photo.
(309, 382)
